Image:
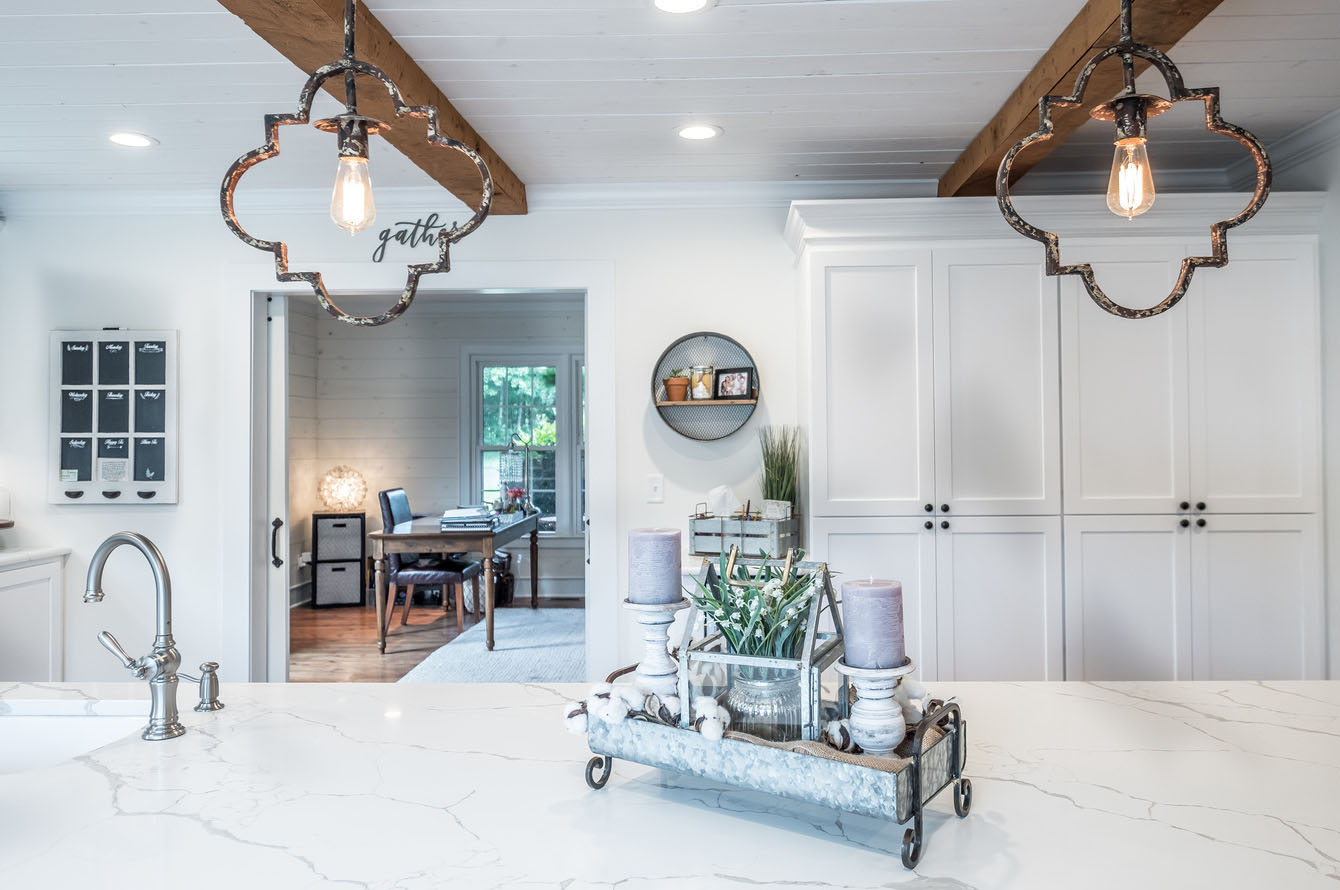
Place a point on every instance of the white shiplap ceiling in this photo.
(591, 91)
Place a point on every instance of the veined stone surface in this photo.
(1116, 785)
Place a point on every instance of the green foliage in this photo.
(520, 400)
(781, 462)
(759, 614)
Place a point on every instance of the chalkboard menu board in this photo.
(113, 417)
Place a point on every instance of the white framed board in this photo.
(113, 417)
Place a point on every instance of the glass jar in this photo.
(765, 702)
(702, 382)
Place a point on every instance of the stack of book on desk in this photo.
(468, 518)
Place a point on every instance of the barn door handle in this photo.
(274, 542)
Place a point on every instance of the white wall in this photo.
(1321, 172)
(675, 271)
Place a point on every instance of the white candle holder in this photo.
(876, 719)
(657, 673)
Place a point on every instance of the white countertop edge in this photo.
(26, 556)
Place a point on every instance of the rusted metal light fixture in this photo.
(352, 205)
(1130, 187)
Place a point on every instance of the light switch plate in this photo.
(655, 488)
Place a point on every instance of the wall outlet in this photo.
(655, 488)
(304, 558)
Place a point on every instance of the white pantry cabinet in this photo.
(32, 635)
(1239, 597)
(981, 598)
(1215, 402)
(934, 380)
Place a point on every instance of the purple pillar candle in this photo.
(654, 574)
(872, 624)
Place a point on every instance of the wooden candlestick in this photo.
(876, 719)
(657, 672)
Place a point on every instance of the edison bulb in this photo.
(1130, 188)
(351, 204)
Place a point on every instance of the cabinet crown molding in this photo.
(816, 223)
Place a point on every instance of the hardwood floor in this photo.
(339, 645)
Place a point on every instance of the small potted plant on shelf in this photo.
(781, 469)
(677, 386)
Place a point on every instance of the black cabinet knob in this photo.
(1200, 505)
(1185, 523)
(930, 508)
(1200, 523)
(944, 524)
(1185, 505)
(930, 524)
(944, 508)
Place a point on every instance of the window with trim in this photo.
(527, 414)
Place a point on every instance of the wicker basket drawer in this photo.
(338, 583)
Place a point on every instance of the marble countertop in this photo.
(22, 556)
(417, 786)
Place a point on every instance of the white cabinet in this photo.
(981, 599)
(32, 633)
(1238, 597)
(872, 399)
(998, 598)
(997, 393)
(895, 547)
(934, 381)
(1256, 598)
(1214, 402)
(1127, 598)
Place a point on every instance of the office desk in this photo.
(425, 536)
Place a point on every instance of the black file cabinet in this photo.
(339, 547)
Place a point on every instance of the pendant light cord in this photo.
(350, 96)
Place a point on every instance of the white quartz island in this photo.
(409, 786)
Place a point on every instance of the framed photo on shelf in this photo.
(734, 383)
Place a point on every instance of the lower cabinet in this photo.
(1239, 597)
(981, 598)
(32, 634)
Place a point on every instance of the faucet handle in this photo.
(111, 645)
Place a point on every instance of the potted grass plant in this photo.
(677, 385)
(780, 445)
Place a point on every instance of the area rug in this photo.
(531, 646)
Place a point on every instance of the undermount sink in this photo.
(44, 733)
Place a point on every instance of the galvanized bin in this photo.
(711, 535)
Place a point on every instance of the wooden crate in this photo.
(716, 534)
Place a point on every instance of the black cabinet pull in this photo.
(944, 508)
(146, 494)
(339, 525)
(944, 524)
(1185, 505)
(74, 494)
(1200, 505)
(930, 524)
(338, 568)
(111, 494)
(1185, 523)
(1200, 523)
(274, 542)
(930, 508)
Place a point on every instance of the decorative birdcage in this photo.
(778, 698)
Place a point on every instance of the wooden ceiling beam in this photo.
(310, 33)
(1159, 23)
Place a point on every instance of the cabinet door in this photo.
(1123, 387)
(32, 634)
(998, 593)
(872, 425)
(900, 549)
(997, 390)
(1257, 598)
(1254, 377)
(1127, 598)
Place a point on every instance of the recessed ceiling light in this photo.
(699, 131)
(133, 140)
(681, 6)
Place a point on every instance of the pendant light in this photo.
(352, 204)
(1130, 189)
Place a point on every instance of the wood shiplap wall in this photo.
(387, 402)
(302, 458)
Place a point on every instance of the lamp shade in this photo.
(342, 488)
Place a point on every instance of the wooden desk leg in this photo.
(379, 594)
(535, 569)
(488, 594)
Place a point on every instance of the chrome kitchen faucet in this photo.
(159, 667)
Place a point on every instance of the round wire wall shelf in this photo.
(705, 419)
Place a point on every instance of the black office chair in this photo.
(411, 570)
